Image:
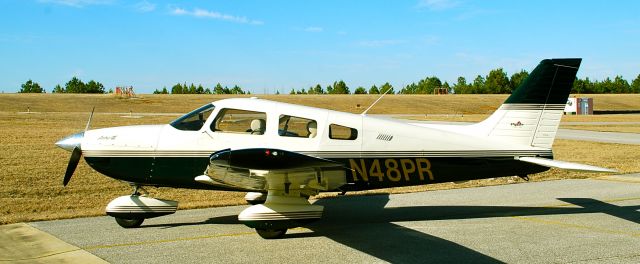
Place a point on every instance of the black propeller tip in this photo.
(73, 163)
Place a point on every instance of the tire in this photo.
(129, 223)
(271, 233)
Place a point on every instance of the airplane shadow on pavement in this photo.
(363, 223)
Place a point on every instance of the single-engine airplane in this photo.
(281, 154)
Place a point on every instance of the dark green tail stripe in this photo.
(549, 83)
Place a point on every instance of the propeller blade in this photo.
(73, 163)
(90, 117)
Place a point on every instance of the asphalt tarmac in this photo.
(565, 221)
(596, 136)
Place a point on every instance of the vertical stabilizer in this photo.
(531, 115)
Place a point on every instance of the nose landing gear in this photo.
(131, 210)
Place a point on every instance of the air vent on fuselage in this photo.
(384, 137)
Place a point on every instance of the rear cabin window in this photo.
(194, 120)
(342, 132)
(240, 121)
(293, 126)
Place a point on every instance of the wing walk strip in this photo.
(331, 154)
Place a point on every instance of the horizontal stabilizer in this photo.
(563, 164)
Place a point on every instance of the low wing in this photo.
(257, 169)
(563, 164)
(267, 159)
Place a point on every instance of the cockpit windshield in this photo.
(194, 120)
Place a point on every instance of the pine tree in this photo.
(218, 89)
(497, 82)
(517, 79)
(340, 87)
(635, 85)
(58, 89)
(31, 87)
(176, 89)
(386, 88)
(374, 90)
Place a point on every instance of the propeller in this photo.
(73, 143)
(73, 163)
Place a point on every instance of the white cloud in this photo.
(313, 29)
(431, 40)
(471, 14)
(203, 13)
(179, 11)
(380, 43)
(77, 3)
(436, 5)
(145, 6)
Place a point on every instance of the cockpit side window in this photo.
(240, 121)
(292, 126)
(342, 132)
(194, 120)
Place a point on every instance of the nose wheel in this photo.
(132, 222)
(129, 223)
(271, 233)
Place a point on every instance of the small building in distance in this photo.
(579, 106)
(125, 91)
(440, 90)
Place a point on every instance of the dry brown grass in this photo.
(391, 104)
(32, 167)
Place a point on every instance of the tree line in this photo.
(193, 89)
(74, 85)
(496, 82)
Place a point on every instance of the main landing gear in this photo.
(279, 213)
(283, 209)
(131, 210)
(287, 201)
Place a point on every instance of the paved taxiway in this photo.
(593, 220)
(596, 136)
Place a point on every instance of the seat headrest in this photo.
(312, 127)
(257, 126)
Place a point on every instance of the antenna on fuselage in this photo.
(374, 103)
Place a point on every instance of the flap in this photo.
(563, 164)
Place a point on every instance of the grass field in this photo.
(461, 104)
(32, 167)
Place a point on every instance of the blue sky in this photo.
(265, 46)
